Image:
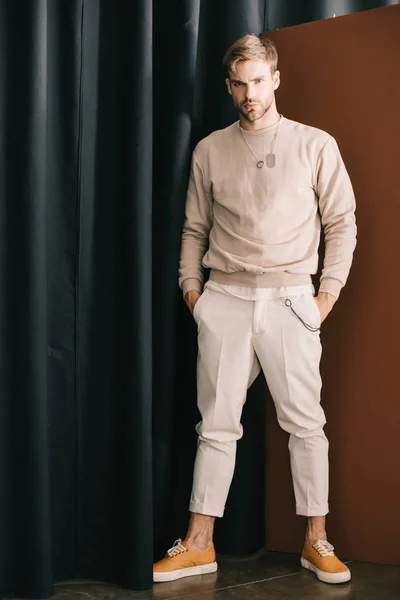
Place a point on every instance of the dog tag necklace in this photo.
(270, 159)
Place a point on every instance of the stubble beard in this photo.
(255, 114)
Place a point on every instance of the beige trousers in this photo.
(237, 335)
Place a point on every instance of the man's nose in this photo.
(250, 92)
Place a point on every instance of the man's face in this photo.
(252, 87)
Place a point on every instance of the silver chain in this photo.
(260, 163)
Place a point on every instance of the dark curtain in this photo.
(101, 104)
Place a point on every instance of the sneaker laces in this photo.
(177, 548)
(324, 548)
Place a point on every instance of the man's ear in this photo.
(276, 79)
(228, 85)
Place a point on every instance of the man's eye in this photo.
(237, 84)
(258, 80)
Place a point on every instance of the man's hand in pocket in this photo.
(325, 304)
(191, 298)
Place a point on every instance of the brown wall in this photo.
(343, 75)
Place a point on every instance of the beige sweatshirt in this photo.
(261, 227)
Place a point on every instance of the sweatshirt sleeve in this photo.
(337, 206)
(196, 228)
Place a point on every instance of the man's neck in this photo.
(270, 118)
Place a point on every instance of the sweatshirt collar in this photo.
(265, 130)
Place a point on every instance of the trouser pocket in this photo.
(306, 309)
(197, 305)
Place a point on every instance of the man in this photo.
(260, 191)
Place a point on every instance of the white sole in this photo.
(326, 577)
(188, 572)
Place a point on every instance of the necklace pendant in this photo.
(270, 160)
(260, 164)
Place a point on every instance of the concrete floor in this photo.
(272, 576)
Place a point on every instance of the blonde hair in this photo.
(251, 47)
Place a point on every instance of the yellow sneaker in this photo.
(181, 561)
(321, 559)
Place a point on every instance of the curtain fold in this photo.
(101, 104)
(174, 80)
(25, 507)
(114, 296)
